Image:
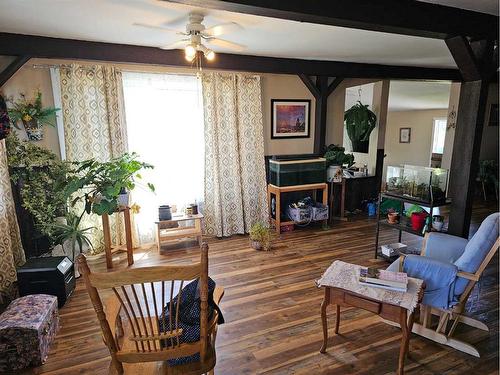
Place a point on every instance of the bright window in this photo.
(165, 127)
(439, 134)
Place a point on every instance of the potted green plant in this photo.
(359, 121)
(260, 237)
(100, 184)
(32, 115)
(335, 158)
(71, 233)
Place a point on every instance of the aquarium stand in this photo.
(399, 226)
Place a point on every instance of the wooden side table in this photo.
(277, 190)
(109, 248)
(169, 230)
(392, 313)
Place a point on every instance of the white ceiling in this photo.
(111, 21)
(404, 95)
(484, 6)
(410, 95)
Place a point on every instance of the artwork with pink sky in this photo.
(290, 119)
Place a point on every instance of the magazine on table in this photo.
(383, 279)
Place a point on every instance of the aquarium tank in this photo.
(420, 183)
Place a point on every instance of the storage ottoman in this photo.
(27, 329)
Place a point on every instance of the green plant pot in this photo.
(33, 130)
(360, 146)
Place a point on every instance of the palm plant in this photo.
(72, 233)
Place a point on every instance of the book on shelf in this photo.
(383, 278)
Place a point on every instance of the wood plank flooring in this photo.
(271, 307)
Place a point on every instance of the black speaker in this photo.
(47, 275)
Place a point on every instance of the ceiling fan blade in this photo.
(226, 44)
(158, 28)
(180, 43)
(223, 28)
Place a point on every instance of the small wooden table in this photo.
(109, 249)
(277, 190)
(392, 313)
(169, 230)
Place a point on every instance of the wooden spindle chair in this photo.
(134, 328)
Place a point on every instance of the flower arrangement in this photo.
(32, 115)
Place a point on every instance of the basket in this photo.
(320, 212)
(299, 215)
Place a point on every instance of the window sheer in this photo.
(164, 116)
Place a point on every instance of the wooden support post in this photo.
(12, 68)
(320, 114)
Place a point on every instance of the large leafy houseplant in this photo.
(32, 115)
(40, 178)
(360, 122)
(335, 155)
(98, 184)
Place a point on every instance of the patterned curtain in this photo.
(11, 249)
(94, 125)
(235, 177)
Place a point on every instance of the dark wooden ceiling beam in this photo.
(407, 17)
(333, 85)
(45, 47)
(308, 82)
(12, 68)
(464, 57)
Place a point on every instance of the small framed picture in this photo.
(290, 118)
(404, 135)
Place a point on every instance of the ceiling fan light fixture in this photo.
(190, 52)
(210, 55)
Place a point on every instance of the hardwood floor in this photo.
(271, 307)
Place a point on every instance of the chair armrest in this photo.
(435, 273)
(468, 276)
(443, 247)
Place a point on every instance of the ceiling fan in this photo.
(197, 34)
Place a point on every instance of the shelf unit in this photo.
(399, 226)
(278, 190)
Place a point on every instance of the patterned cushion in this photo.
(27, 328)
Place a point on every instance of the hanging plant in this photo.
(359, 122)
(32, 115)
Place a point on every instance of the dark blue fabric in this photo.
(189, 317)
(439, 278)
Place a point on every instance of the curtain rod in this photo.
(66, 66)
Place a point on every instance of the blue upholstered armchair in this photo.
(450, 266)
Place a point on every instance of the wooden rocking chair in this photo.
(134, 328)
(464, 254)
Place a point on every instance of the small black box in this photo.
(47, 275)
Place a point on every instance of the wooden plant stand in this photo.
(391, 313)
(109, 248)
(168, 230)
(277, 190)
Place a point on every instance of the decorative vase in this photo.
(418, 220)
(360, 146)
(33, 130)
(392, 217)
(332, 172)
(123, 199)
(255, 245)
(437, 222)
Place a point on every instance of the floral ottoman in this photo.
(27, 329)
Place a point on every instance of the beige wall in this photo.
(417, 152)
(280, 86)
(489, 143)
(26, 81)
(274, 86)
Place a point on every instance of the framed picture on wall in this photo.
(404, 135)
(290, 118)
